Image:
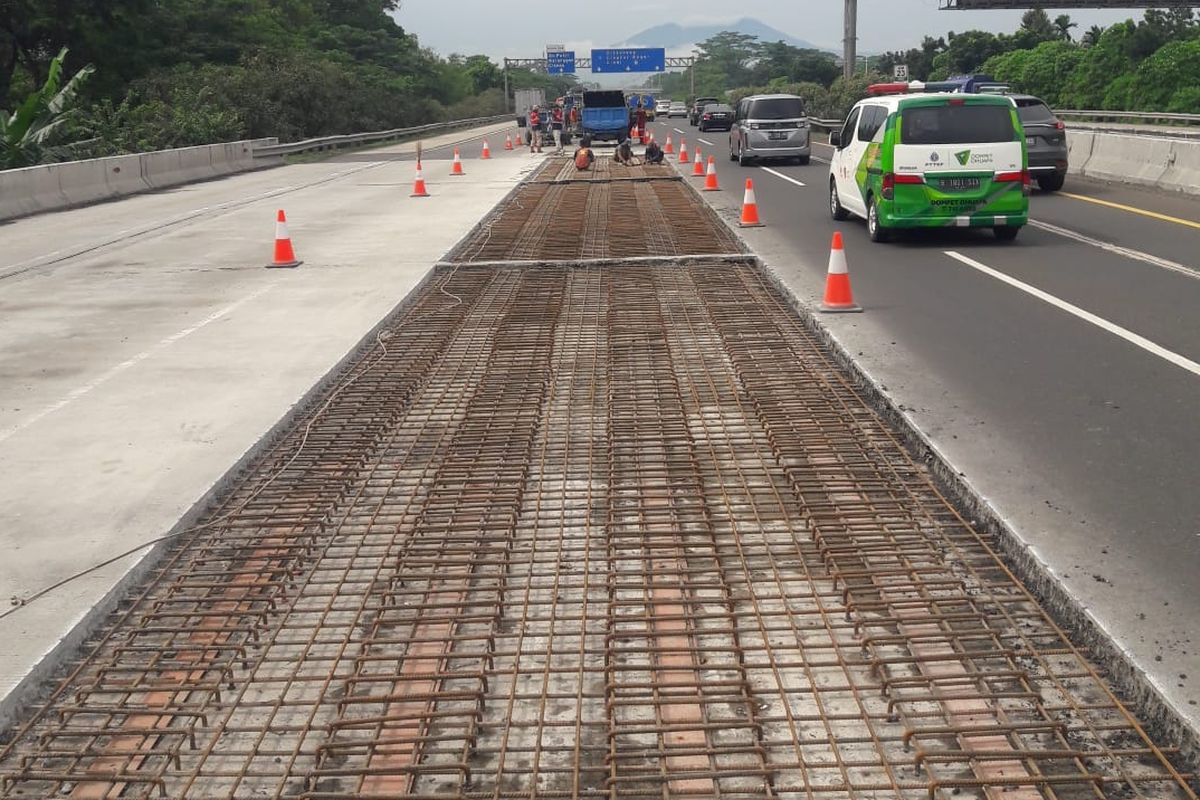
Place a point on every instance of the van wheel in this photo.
(835, 204)
(743, 159)
(803, 160)
(1006, 233)
(1051, 183)
(874, 229)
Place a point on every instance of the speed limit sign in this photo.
(900, 71)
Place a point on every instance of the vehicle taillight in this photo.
(890, 179)
(1014, 177)
(708, 116)
(1059, 125)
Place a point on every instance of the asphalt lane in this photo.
(1085, 442)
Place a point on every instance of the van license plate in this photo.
(1030, 141)
(958, 184)
(777, 135)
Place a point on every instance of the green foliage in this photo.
(1167, 80)
(919, 60)
(729, 59)
(1041, 71)
(823, 102)
(28, 134)
(181, 72)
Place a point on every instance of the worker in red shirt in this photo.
(535, 130)
(641, 121)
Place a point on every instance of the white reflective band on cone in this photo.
(749, 198)
(837, 262)
(281, 231)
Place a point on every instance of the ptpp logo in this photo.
(963, 156)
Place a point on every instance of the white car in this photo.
(677, 109)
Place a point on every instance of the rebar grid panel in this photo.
(620, 532)
(598, 219)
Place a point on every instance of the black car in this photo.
(1046, 140)
(698, 108)
(716, 117)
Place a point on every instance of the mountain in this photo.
(673, 36)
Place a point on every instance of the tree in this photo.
(1092, 36)
(779, 61)
(1036, 24)
(1041, 71)
(727, 56)
(1063, 26)
(1167, 80)
(966, 53)
(27, 134)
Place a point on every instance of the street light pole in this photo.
(850, 42)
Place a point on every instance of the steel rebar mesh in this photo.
(621, 532)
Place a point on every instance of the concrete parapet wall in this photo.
(1171, 164)
(52, 187)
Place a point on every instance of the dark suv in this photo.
(698, 108)
(1046, 139)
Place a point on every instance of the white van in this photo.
(931, 161)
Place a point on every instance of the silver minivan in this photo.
(770, 126)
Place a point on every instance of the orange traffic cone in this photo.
(508, 142)
(698, 165)
(487, 153)
(419, 184)
(750, 208)
(456, 168)
(710, 178)
(683, 159)
(284, 255)
(838, 296)
(670, 148)
(633, 136)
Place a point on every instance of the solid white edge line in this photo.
(1086, 316)
(705, 141)
(1137, 255)
(778, 174)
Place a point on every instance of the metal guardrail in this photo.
(825, 124)
(356, 139)
(1138, 116)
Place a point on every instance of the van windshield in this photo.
(954, 124)
(777, 108)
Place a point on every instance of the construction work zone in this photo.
(587, 531)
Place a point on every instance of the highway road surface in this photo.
(1059, 373)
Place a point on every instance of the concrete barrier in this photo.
(50, 187)
(1184, 174)
(1079, 149)
(25, 191)
(1172, 164)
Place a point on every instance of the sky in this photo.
(501, 28)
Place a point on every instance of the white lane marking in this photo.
(1137, 255)
(104, 378)
(1087, 316)
(778, 174)
(705, 141)
(678, 131)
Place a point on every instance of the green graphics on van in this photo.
(937, 160)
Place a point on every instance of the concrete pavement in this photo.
(1084, 444)
(144, 350)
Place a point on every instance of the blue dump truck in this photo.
(605, 116)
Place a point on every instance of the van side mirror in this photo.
(835, 138)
